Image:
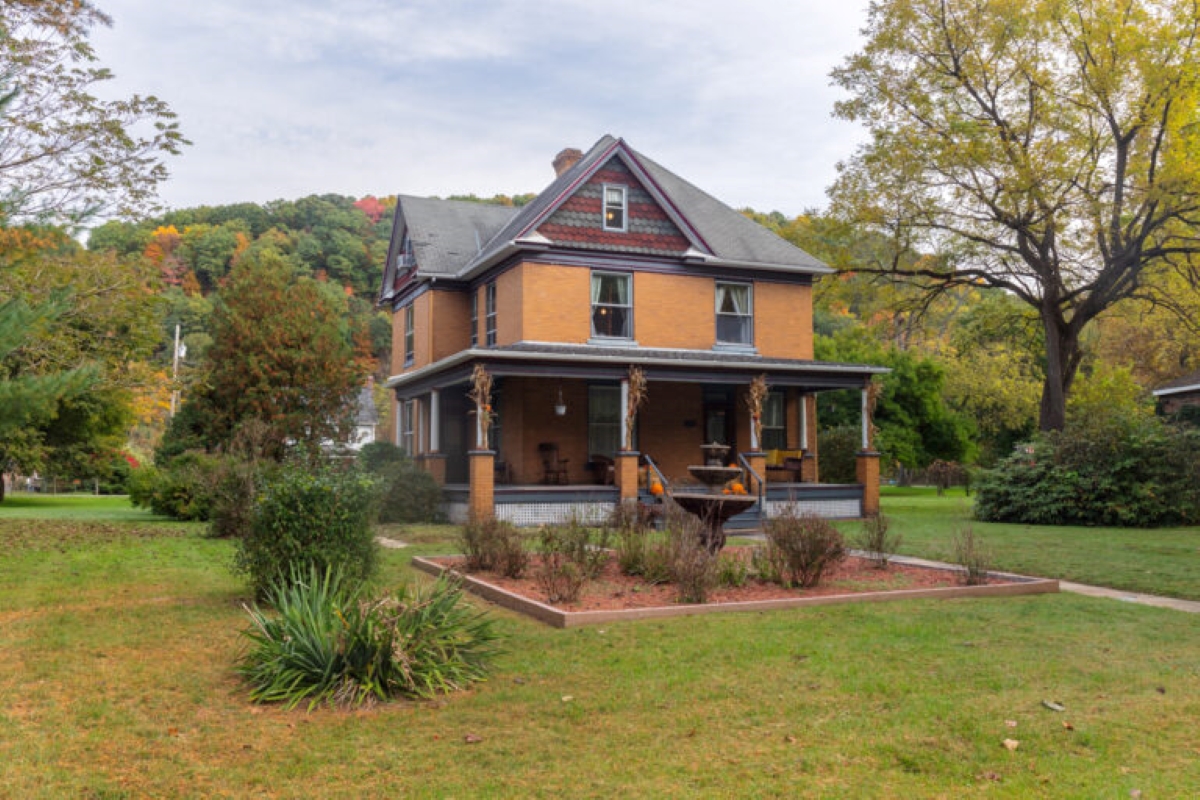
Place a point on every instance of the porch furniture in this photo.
(602, 469)
(503, 472)
(788, 462)
(554, 469)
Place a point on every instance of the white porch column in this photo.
(624, 411)
(435, 419)
(866, 421)
(397, 409)
(803, 421)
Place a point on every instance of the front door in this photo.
(720, 422)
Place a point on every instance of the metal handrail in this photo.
(661, 478)
(758, 481)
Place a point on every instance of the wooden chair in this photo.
(602, 469)
(554, 469)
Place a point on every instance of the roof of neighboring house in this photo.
(460, 239)
(1185, 383)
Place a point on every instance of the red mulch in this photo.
(613, 590)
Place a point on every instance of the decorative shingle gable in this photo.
(578, 221)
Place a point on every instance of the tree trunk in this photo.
(1062, 362)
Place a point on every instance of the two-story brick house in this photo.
(617, 263)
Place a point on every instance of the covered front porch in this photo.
(562, 443)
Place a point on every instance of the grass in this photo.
(1155, 560)
(116, 508)
(117, 681)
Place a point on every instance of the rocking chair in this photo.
(554, 469)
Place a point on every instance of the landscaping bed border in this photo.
(1017, 585)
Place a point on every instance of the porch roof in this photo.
(612, 363)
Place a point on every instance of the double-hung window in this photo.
(409, 334)
(474, 318)
(405, 438)
(490, 319)
(735, 314)
(616, 207)
(612, 305)
(774, 422)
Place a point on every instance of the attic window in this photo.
(405, 258)
(615, 207)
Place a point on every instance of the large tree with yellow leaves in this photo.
(1050, 148)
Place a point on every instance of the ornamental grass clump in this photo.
(325, 643)
(972, 556)
(558, 574)
(800, 547)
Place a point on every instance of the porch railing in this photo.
(759, 482)
(661, 478)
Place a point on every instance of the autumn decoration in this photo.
(755, 398)
(481, 395)
(637, 396)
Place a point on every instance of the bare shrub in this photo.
(877, 541)
(693, 568)
(558, 574)
(800, 546)
(494, 545)
(970, 553)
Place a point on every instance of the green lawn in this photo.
(1153, 560)
(116, 508)
(119, 638)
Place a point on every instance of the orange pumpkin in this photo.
(656, 489)
(737, 488)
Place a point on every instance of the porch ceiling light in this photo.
(560, 405)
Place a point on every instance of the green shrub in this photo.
(235, 487)
(318, 515)
(324, 643)
(839, 450)
(732, 570)
(1115, 471)
(407, 492)
(183, 489)
(493, 545)
(801, 546)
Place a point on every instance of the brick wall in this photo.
(783, 320)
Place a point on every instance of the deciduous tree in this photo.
(1045, 147)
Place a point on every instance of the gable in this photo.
(578, 221)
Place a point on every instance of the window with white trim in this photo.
(407, 426)
(474, 318)
(612, 305)
(616, 207)
(735, 313)
(490, 318)
(409, 334)
(774, 422)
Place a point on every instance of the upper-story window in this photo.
(409, 334)
(615, 207)
(474, 318)
(490, 318)
(735, 313)
(612, 305)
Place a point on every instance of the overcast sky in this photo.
(284, 98)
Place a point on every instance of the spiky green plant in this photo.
(325, 643)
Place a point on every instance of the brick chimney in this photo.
(566, 159)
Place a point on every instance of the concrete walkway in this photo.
(1191, 606)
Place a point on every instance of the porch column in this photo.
(397, 404)
(867, 470)
(627, 474)
(483, 484)
(624, 411)
(867, 463)
(808, 440)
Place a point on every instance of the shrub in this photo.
(732, 570)
(494, 545)
(838, 448)
(407, 492)
(877, 541)
(1115, 470)
(558, 575)
(183, 489)
(693, 568)
(235, 485)
(801, 547)
(316, 516)
(324, 643)
(971, 555)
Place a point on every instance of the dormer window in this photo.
(405, 258)
(615, 207)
